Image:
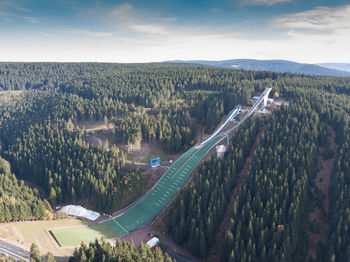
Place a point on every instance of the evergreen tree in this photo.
(49, 257)
(34, 253)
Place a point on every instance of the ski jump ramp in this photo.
(158, 197)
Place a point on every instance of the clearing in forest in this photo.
(23, 234)
(318, 219)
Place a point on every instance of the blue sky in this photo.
(157, 30)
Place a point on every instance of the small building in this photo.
(167, 162)
(79, 211)
(263, 111)
(220, 150)
(281, 102)
(152, 242)
(155, 161)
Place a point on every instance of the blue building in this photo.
(155, 161)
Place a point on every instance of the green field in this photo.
(144, 210)
(23, 234)
(74, 236)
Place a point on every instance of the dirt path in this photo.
(229, 208)
(103, 127)
(322, 182)
(93, 125)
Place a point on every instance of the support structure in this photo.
(262, 99)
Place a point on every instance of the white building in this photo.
(152, 242)
(79, 211)
(220, 150)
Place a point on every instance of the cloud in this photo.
(169, 19)
(124, 24)
(46, 34)
(87, 33)
(322, 33)
(12, 16)
(97, 34)
(126, 33)
(323, 30)
(149, 28)
(265, 2)
(319, 20)
(136, 23)
(10, 12)
(7, 4)
(121, 12)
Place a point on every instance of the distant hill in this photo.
(337, 66)
(270, 65)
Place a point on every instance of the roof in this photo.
(152, 242)
(80, 211)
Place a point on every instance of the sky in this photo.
(312, 31)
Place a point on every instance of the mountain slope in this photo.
(336, 66)
(271, 65)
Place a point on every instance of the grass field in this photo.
(144, 210)
(23, 234)
(87, 233)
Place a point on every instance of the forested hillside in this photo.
(18, 201)
(162, 105)
(168, 106)
(277, 66)
(122, 251)
(100, 250)
(271, 207)
(270, 215)
(195, 216)
(20, 76)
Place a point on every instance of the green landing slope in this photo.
(144, 210)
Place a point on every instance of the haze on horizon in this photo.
(151, 31)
